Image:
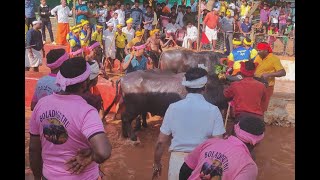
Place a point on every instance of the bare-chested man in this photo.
(154, 45)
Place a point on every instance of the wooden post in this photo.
(74, 13)
(198, 40)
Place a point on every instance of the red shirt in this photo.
(248, 95)
(211, 20)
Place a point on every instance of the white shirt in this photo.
(275, 16)
(130, 34)
(63, 13)
(114, 21)
(191, 121)
(121, 16)
(192, 32)
(179, 19)
(170, 28)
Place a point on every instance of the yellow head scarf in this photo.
(152, 32)
(130, 20)
(119, 26)
(236, 42)
(84, 22)
(98, 26)
(138, 33)
(228, 12)
(76, 30)
(246, 42)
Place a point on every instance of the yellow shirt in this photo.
(253, 53)
(244, 10)
(82, 37)
(97, 37)
(121, 40)
(223, 7)
(270, 64)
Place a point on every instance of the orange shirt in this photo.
(270, 64)
(211, 20)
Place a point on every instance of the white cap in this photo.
(94, 70)
(109, 24)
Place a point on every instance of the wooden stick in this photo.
(199, 12)
(228, 111)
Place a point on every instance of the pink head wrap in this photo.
(64, 82)
(247, 137)
(96, 44)
(59, 61)
(76, 52)
(139, 47)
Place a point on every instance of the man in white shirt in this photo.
(274, 16)
(179, 19)
(109, 42)
(62, 13)
(121, 14)
(190, 122)
(192, 36)
(128, 30)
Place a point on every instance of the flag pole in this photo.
(74, 12)
(199, 12)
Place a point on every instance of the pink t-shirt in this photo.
(218, 159)
(65, 123)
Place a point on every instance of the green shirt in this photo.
(92, 20)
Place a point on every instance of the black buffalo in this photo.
(182, 60)
(153, 91)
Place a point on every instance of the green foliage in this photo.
(220, 69)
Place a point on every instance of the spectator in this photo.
(92, 15)
(287, 32)
(210, 26)
(67, 141)
(269, 67)
(121, 15)
(62, 12)
(244, 10)
(180, 15)
(273, 32)
(227, 25)
(102, 14)
(97, 34)
(173, 14)
(81, 11)
(288, 10)
(238, 55)
(47, 84)
(136, 59)
(136, 14)
(114, 20)
(223, 6)
(282, 21)
(237, 25)
(165, 9)
(109, 42)
(159, 10)
(29, 12)
(33, 55)
(194, 5)
(191, 36)
(128, 30)
(121, 41)
(85, 33)
(188, 17)
(74, 38)
(246, 28)
(274, 16)
(44, 13)
(209, 159)
(264, 17)
(127, 11)
(147, 22)
(204, 121)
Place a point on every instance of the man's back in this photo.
(65, 123)
(191, 121)
(247, 94)
(222, 158)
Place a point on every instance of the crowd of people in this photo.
(67, 136)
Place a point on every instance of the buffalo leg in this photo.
(144, 119)
(127, 130)
(138, 123)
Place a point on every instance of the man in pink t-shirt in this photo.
(228, 158)
(46, 85)
(67, 139)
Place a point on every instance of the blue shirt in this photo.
(81, 7)
(34, 37)
(246, 27)
(29, 8)
(241, 53)
(135, 64)
(136, 15)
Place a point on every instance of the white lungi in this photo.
(211, 34)
(36, 61)
(185, 41)
(175, 163)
